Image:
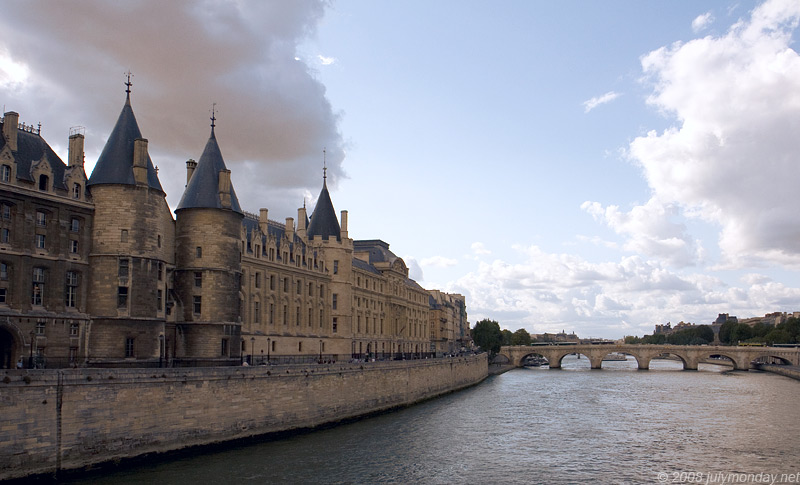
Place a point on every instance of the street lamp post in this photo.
(30, 360)
(160, 350)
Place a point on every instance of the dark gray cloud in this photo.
(273, 118)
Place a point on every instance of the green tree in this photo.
(741, 332)
(792, 327)
(506, 336)
(705, 332)
(521, 337)
(487, 335)
(725, 331)
(630, 339)
(778, 336)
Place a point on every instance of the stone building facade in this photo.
(98, 271)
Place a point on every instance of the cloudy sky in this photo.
(597, 167)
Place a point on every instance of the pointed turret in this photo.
(118, 161)
(209, 185)
(323, 223)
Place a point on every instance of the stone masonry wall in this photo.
(73, 418)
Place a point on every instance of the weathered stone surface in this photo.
(73, 418)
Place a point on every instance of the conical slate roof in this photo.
(324, 223)
(203, 187)
(115, 165)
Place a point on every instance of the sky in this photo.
(592, 167)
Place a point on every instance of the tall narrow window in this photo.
(5, 173)
(285, 315)
(272, 282)
(3, 295)
(198, 252)
(44, 182)
(41, 218)
(129, 347)
(75, 224)
(335, 303)
(258, 279)
(197, 302)
(3, 271)
(6, 211)
(159, 300)
(76, 191)
(224, 348)
(335, 267)
(122, 297)
(256, 312)
(335, 324)
(41, 326)
(38, 286)
(73, 246)
(297, 316)
(122, 270)
(74, 329)
(198, 279)
(71, 297)
(299, 286)
(123, 235)
(40, 241)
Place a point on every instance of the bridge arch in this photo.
(771, 357)
(637, 358)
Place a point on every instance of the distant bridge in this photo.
(690, 355)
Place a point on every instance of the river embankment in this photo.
(792, 371)
(56, 420)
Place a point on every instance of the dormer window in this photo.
(44, 181)
(76, 191)
(5, 173)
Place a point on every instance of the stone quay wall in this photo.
(68, 419)
(792, 371)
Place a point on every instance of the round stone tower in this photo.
(132, 249)
(208, 260)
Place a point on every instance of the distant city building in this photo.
(98, 271)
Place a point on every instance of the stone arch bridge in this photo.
(690, 355)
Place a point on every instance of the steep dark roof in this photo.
(31, 147)
(363, 265)
(378, 250)
(324, 223)
(203, 188)
(115, 165)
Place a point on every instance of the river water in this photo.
(574, 425)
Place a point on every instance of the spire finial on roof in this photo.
(324, 165)
(213, 116)
(128, 83)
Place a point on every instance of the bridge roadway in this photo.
(691, 355)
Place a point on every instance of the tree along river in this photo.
(535, 425)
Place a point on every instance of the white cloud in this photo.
(591, 104)
(478, 248)
(732, 158)
(326, 61)
(439, 262)
(549, 292)
(12, 73)
(702, 21)
(650, 230)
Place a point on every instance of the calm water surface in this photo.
(575, 425)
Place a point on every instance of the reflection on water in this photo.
(574, 425)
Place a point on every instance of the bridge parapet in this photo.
(690, 355)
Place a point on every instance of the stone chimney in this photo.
(344, 225)
(290, 229)
(190, 166)
(76, 150)
(10, 124)
(140, 161)
(301, 222)
(263, 220)
(225, 189)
